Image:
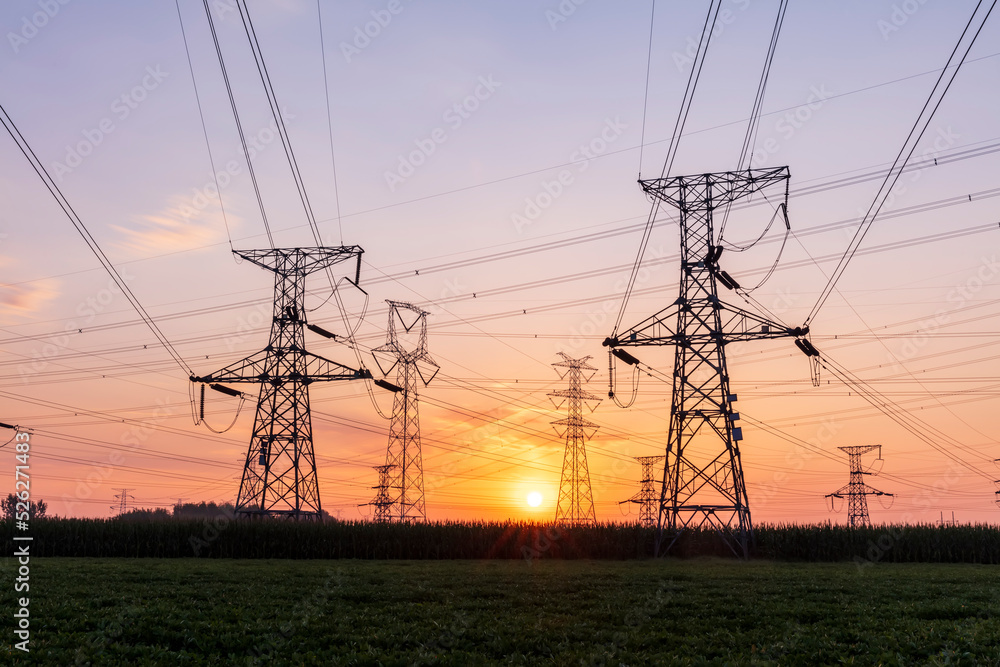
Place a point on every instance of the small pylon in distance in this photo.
(857, 491)
(575, 505)
(647, 496)
(405, 350)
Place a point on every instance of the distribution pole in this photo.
(405, 349)
(279, 472)
(646, 497)
(703, 483)
(576, 501)
(857, 491)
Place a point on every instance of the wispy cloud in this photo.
(27, 298)
(171, 230)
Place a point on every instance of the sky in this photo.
(485, 157)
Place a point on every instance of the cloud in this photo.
(173, 229)
(27, 298)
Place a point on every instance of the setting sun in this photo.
(534, 499)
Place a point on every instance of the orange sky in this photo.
(516, 231)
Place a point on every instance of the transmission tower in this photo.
(405, 349)
(857, 491)
(646, 498)
(382, 502)
(703, 476)
(123, 498)
(279, 474)
(576, 501)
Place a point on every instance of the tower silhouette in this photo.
(123, 498)
(703, 475)
(382, 502)
(857, 491)
(405, 350)
(647, 495)
(575, 505)
(279, 474)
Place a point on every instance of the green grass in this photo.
(198, 611)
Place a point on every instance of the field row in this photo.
(224, 537)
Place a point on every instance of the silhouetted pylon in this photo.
(405, 349)
(647, 496)
(575, 505)
(857, 491)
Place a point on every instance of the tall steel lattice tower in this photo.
(405, 349)
(382, 502)
(576, 501)
(279, 476)
(857, 491)
(647, 496)
(703, 475)
(123, 498)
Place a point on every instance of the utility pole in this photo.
(703, 483)
(279, 473)
(382, 502)
(857, 491)
(576, 501)
(405, 349)
(646, 498)
(123, 498)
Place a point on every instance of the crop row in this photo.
(224, 537)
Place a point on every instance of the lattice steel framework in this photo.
(647, 495)
(279, 476)
(703, 475)
(857, 491)
(413, 363)
(382, 502)
(576, 500)
(123, 498)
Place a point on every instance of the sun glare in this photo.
(534, 499)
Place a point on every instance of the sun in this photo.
(534, 499)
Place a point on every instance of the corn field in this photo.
(225, 537)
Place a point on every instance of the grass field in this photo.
(198, 611)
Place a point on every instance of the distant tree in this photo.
(203, 510)
(142, 514)
(35, 510)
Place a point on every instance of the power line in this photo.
(916, 132)
(91, 242)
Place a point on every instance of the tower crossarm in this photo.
(255, 369)
(716, 189)
(575, 421)
(582, 394)
(301, 261)
(737, 325)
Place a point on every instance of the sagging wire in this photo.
(784, 241)
(199, 415)
(612, 375)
